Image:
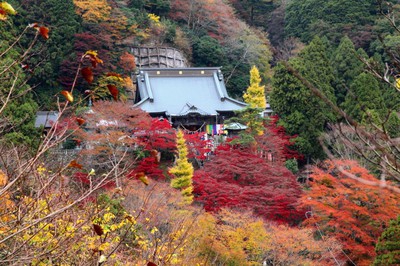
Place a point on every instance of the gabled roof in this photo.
(46, 118)
(181, 91)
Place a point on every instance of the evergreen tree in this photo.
(17, 123)
(64, 23)
(254, 11)
(334, 19)
(159, 7)
(208, 52)
(388, 246)
(346, 68)
(392, 125)
(364, 96)
(301, 113)
(183, 171)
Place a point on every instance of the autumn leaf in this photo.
(74, 164)
(87, 74)
(398, 83)
(93, 57)
(44, 32)
(142, 177)
(113, 90)
(7, 8)
(98, 230)
(151, 264)
(3, 14)
(80, 121)
(68, 96)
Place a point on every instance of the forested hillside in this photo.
(317, 183)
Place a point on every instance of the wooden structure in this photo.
(191, 98)
(158, 57)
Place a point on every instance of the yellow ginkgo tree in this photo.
(255, 98)
(255, 94)
(183, 170)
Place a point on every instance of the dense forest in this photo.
(317, 183)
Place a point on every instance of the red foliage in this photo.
(240, 179)
(113, 91)
(82, 178)
(160, 135)
(150, 167)
(157, 137)
(275, 139)
(348, 210)
(84, 42)
(87, 74)
(197, 145)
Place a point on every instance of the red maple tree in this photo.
(276, 140)
(348, 210)
(198, 145)
(158, 141)
(238, 178)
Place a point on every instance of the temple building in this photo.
(192, 98)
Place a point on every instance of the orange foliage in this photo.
(354, 213)
(294, 246)
(127, 62)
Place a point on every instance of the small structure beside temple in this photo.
(46, 120)
(194, 99)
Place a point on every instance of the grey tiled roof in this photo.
(46, 118)
(180, 91)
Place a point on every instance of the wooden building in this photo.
(191, 98)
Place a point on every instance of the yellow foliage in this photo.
(8, 9)
(93, 10)
(398, 83)
(183, 170)
(154, 18)
(41, 169)
(255, 94)
(232, 238)
(128, 83)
